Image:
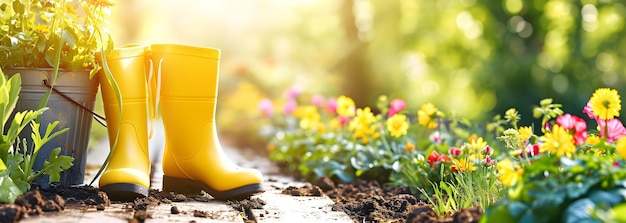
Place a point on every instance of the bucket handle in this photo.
(99, 118)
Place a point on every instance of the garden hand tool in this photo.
(193, 159)
(127, 175)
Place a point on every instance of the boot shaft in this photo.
(186, 72)
(128, 70)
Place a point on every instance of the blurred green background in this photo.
(471, 58)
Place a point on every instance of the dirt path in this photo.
(271, 206)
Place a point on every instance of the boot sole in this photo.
(187, 186)
(125, 191)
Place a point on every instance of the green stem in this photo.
(56, 65)
(385, 143)
(606, 129)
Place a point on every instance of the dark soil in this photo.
(37, 201)
(369, 201)
(363, 201)
(246, 206)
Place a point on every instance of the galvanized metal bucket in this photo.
(71, 104)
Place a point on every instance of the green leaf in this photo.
(344, 175)
(619, 210)
(18, 7)
(69, 37)
(41, 44)
(56, 164)
(610, 197)
(517, 209)
(8, 190)
(529, 217)
(499, 212)
(579, 211)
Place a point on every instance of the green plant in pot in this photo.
(52, 45)
(16, 156)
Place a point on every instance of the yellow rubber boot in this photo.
(193, 159)
(127, 175)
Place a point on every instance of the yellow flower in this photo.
(40, 28)
(426, 115)
(334, 124)
(397, 125)
(365, 134)
(558, 141)
(592, 140)
(477, 144)
(409, 147)
(321, 127)
(309, 117)
(620, 147)
(103, 3)
(508, 173)
(345, 106)
(462, 165)
(68, 8)
(605, 103)
(599, 152)
(525, 132)
(364, 117)
(362, 126)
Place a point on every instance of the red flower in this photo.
(435, 158)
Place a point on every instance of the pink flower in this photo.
(317, 100)
(435, 137)
(395, 106)
(547, 125)
(530, 150)
(488, 151)
(343, 120)
(454, 151)
(487, 162)
(292, 93)
(615, 126)
(290, 106)
(587, 110)
(266, 107)
(615, 129)
(574, 124)
(331, 105)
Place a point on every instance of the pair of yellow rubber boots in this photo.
(182, 82)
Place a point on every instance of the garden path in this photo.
(278, 207)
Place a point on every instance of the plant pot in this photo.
(81, 89)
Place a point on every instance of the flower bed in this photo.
(561, 170)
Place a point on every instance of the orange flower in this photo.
(409, 147)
